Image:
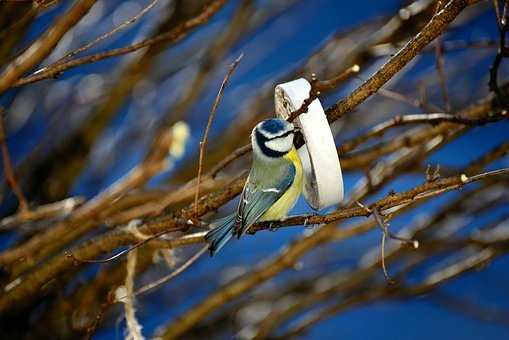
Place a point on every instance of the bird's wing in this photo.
(255, 201)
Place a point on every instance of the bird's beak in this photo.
(298, 139)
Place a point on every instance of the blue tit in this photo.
(272, 188)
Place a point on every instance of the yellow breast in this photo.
(286, 202)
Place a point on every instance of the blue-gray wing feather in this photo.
(255, 201)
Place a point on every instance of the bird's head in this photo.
(272, 138)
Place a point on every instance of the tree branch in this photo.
(432, 30)
(173, 36)
(44, 45)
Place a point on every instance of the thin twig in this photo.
(317, 87)
(331, 84)
(203, 142)
(419, 103)
(444, 131)
(502, 53)
(8, 169)
(386, 233)
(503, 19)
(173, 274)
(105, 35)
(130, 249)
(440, 65)
(497, 12)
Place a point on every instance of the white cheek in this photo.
(281, 144)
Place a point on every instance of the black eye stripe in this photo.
(261, 140)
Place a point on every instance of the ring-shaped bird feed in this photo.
(323, 181)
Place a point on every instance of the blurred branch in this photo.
(13, 23)
(42, 212)
(381, 292)
(8, 171)
(174, 35)
(68, 158)
(502, 52)
(112, 240)
(107, 34)
(363, 278)
(431, 118)
(432, 30)
(484, 109)
(43, 244)
(239, 26)
(420, 103)
(471, 309)
(44, 45)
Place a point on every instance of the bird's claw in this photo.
(272, 227)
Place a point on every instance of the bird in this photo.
(272, 188)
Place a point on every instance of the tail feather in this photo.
(221, 234)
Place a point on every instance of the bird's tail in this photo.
(222, 233)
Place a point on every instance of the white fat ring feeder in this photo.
(323, 181)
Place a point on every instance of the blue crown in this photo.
(274, 125)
